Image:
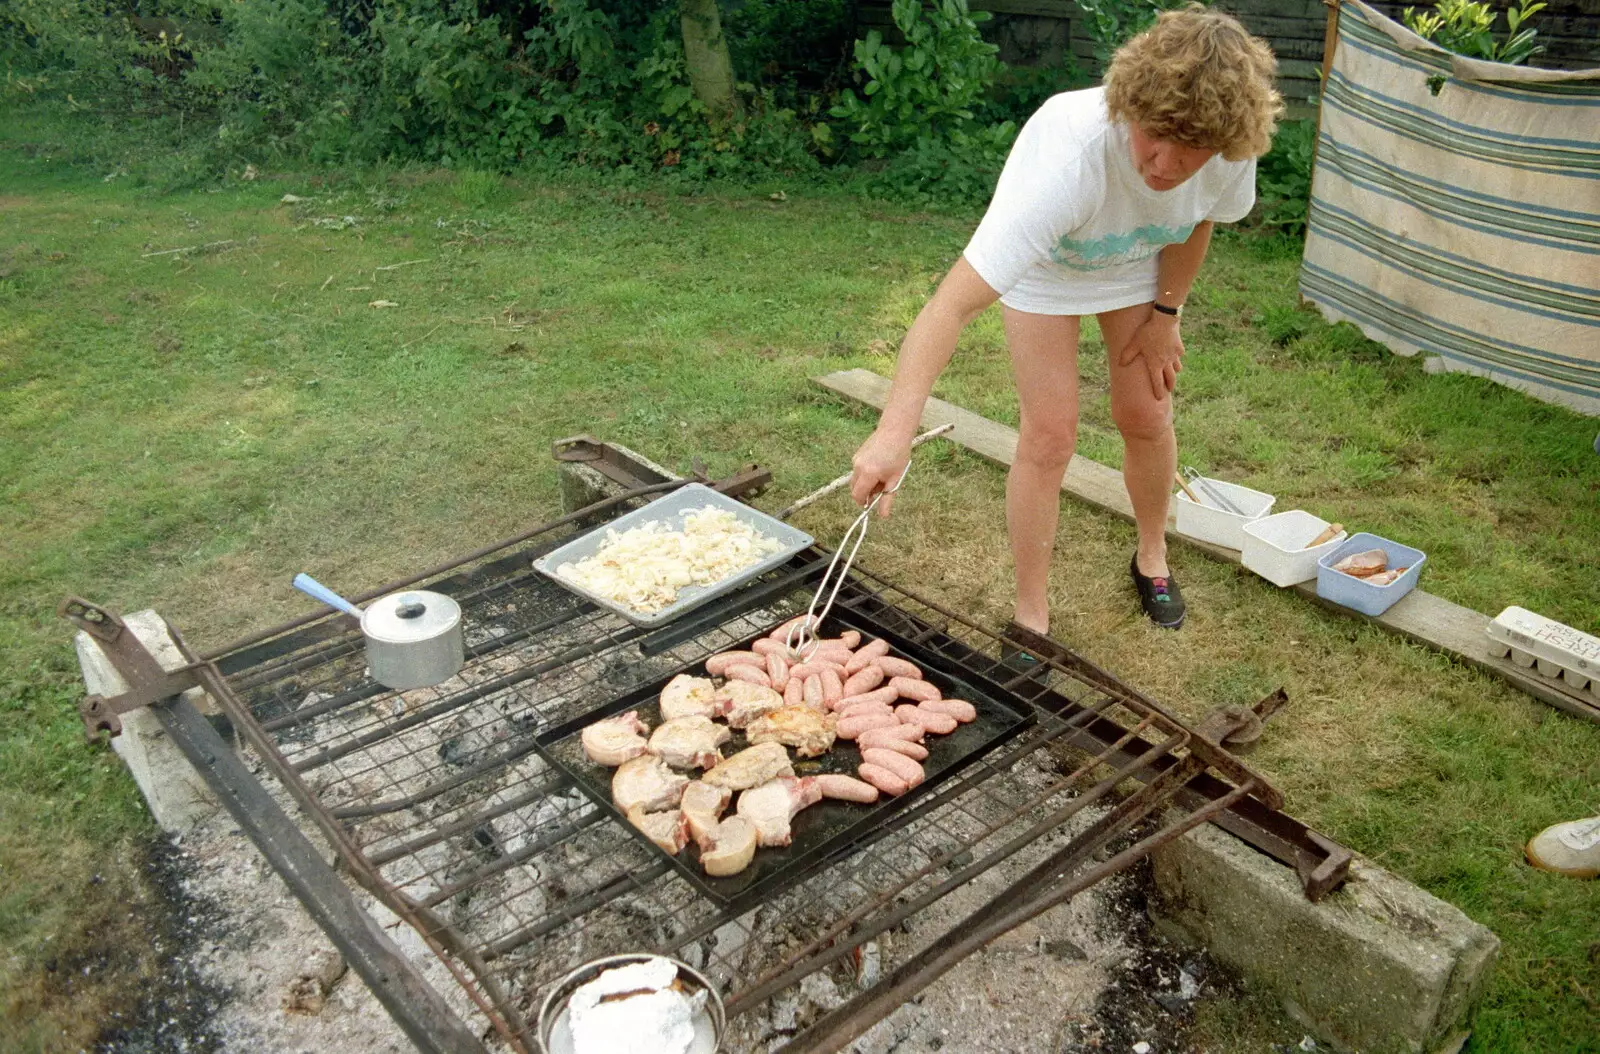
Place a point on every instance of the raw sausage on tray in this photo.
(846, 788)
(938, 724)
(959, 709)
(865, 655)
(880, 739)
(851, 727)
(911, 688)
(896, 763)
(883, 779)
(864, 680)
(718, 665)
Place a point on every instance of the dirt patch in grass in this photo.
(111, 977)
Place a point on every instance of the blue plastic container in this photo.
(1358, 594)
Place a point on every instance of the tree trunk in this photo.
(705, 51)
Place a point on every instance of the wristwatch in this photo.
(1165, 310)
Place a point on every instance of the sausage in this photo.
(782, 632)
(938, 724)
(857, 709)
(832, 688)
(777, 671)
(896, 763)
(803, 670)
(959, 709)
(903, 732)
(718, 665)
(882, 779)
(909, 688)
(794, 693)
(768, 646)
(885, 695)
(899, 667)
(879, 738)
(813, 691)
(745, 672)
(864, 680)
(846, 788)
(851, 727)
(834, 654)
(850, 638)
(865, 654)
(906, 733)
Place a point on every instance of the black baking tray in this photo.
(821, 831)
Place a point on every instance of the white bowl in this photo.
(1274, 546)
(1210, 524)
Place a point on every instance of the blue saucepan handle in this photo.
(306, 584)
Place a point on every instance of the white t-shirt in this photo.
(1073, 229)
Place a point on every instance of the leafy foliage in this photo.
(1466, 27)
(930, 86)
(918, 103)
(1112, 22)
(1283, 176)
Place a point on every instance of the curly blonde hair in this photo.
(1198, 77)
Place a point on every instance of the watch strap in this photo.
(1165, 310)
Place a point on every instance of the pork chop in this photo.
(772, 805)
(808, 730)
(686, 696)
(743, 702)
(646, 782)
(732, 849)
(751, 766)
(689, 742)
(616, 739)
(668, 830)
(703, 806)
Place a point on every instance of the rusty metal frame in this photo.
(1163, 776)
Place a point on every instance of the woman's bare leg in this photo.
(1150, 458)
(1044, 362)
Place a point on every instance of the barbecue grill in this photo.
(461, 808)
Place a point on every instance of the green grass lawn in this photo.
(186, 431)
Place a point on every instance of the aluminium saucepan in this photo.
(413, 636)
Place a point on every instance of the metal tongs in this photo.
(802, 635)
(1219, 499)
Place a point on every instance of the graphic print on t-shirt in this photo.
(1113, 249)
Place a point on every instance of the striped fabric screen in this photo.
(1463, 224)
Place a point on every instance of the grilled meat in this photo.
(732, 849)
(743, 702)
(646, 782)
(669, 830)
(703, 806)
(751, 766)
(809, 731)
(616, 739)
(686, 696)
(689, 742)
(772, 805)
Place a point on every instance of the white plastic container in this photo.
(1274, 546)
(1209, 524)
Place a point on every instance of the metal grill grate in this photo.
(442, 801)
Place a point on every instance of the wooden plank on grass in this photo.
(1418, 616)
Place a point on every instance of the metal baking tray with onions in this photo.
(669, 511)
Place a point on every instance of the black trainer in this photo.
(1160, 597)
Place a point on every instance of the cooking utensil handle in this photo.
(306, 584)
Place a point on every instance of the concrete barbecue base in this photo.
(1378, 966)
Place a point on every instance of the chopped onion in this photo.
(644, 567)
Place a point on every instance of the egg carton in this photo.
(1559, 651)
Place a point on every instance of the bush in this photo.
(1283, 177)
